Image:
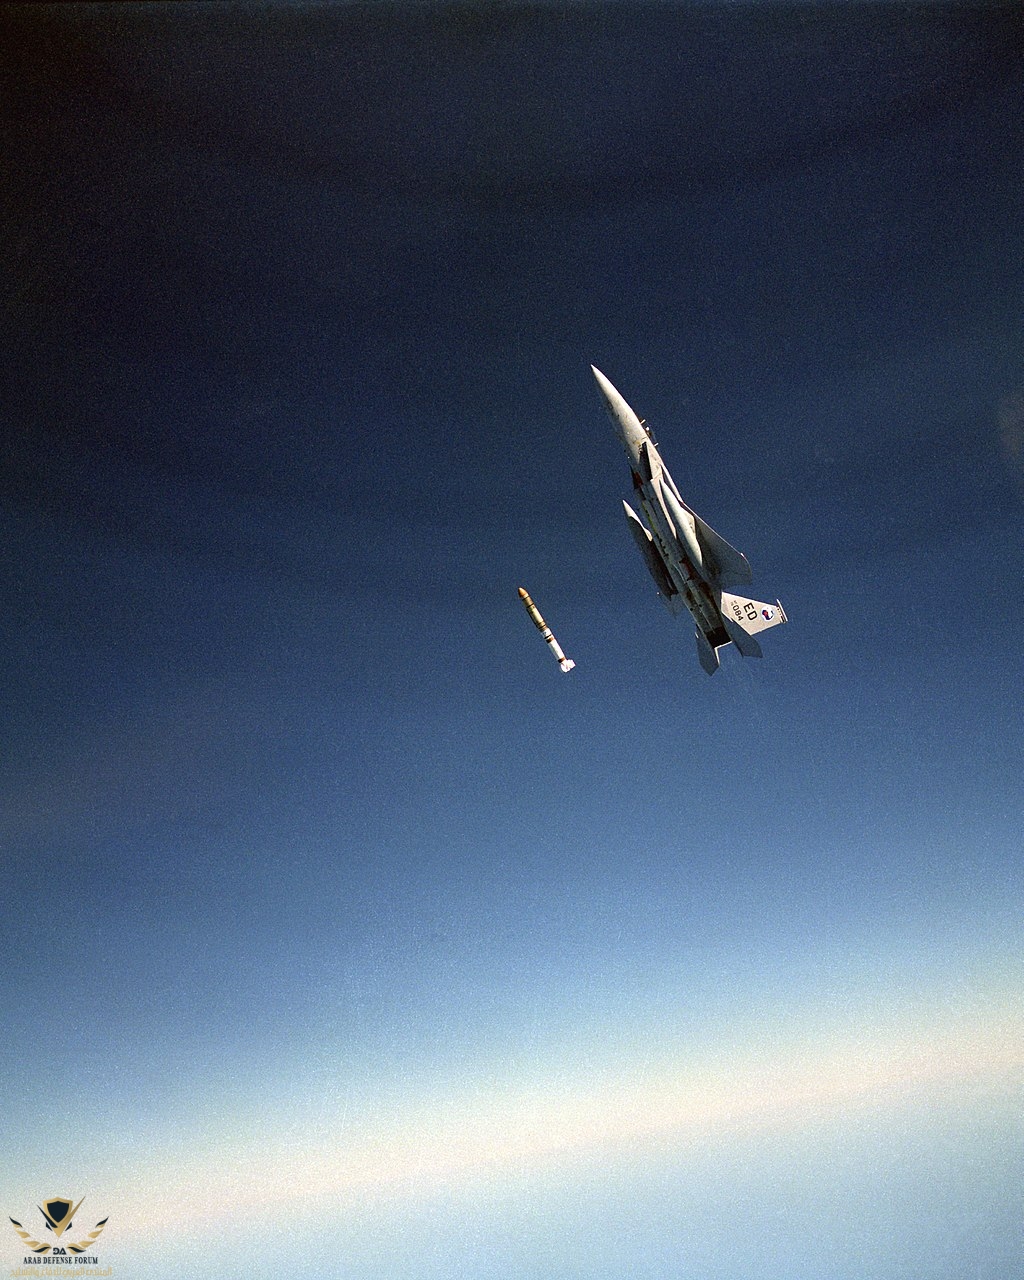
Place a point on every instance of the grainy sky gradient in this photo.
(341, 932)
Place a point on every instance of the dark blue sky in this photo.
(299, 815)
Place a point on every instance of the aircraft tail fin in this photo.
(745, 618)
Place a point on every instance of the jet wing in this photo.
(726, 566)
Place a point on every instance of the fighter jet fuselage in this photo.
(689, 562)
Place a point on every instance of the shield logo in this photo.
(58, 1212)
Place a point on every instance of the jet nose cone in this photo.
(618, 408)
(626, 422)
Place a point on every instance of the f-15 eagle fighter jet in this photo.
(689, 561)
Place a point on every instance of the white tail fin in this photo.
(750, 616)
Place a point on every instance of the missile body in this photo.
(565, 663)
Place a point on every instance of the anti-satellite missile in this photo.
(565, 663)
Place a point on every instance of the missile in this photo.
(565, 663)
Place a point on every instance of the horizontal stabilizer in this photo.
(707, 655)
(746, 644)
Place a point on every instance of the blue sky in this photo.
(342, 929)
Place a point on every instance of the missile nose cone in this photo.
(523, 594)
